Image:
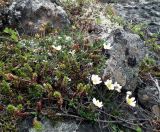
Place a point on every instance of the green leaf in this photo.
(138, 129)
(13, 34)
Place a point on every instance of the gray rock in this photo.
(125, 57)
(32, 16)
(65, 127)
(50, 125)
(59, 127)
(141, 11)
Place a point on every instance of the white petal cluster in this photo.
(59, 37)
(130, 100)
(68, 38)
(97, 103)
(113, 86)
(58, 48)
(117, 87)
(107, 46)
(109, 84)
(95, 79)
(72, 52)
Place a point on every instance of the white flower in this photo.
(117, 87)
(90, 64)
(57, 47)
(68, 38)
(72, 52)
(50, 54)
(97, 103)
(44, 60)
(107, 46)
(109, 84)
(96, 79)
(106, 63)
(129, 93)
(69, 79)
(130, 100)
(59, 37)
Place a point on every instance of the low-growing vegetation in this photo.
(62, 71)
(61, 74)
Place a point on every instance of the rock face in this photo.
(140, 11)
(60, 126)
(32, 16)
(125, 57)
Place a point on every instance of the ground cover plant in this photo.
(60, 72)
